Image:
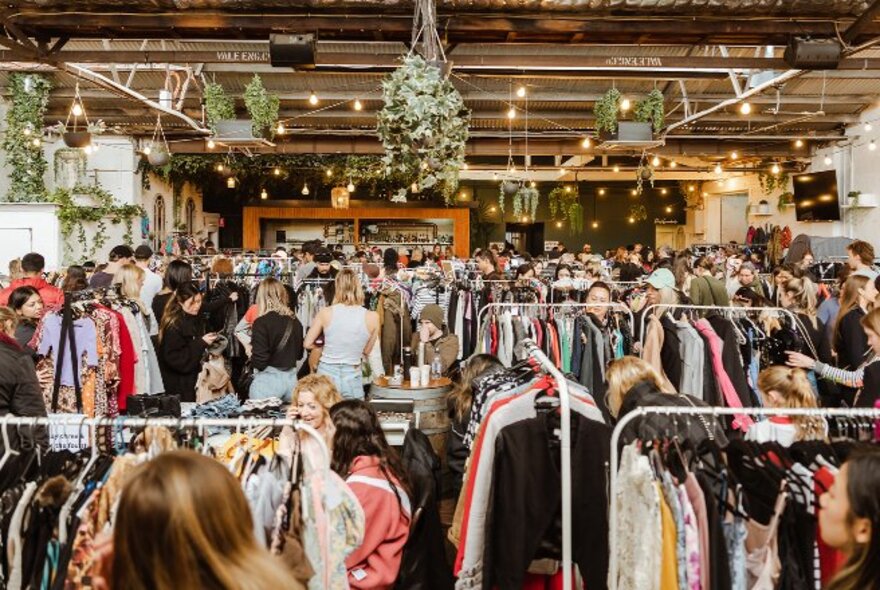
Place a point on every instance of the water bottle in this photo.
(436, 368)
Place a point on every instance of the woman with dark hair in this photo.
(488, 265)
(75, 279)
(375, 474)
(849, 521)
(177, 273)
(182, 342)
(28, 306)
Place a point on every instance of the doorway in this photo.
(726, 219)
(526, 237)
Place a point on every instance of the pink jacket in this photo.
(740, 421)
(375, 564)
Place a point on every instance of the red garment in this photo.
(52, 296)
(127, 360)
(830, 560)
(785, 238)
(493, 337)
(251, 314)
(375, 564)
(542, 582)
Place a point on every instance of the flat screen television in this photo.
(815, 196)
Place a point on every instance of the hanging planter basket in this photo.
(159, 156)
(77, 139)
(159, 153)
(509, 187)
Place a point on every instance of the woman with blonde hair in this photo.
(276, 345)
(785, 387)
(170, 533)
(130, 278)
(349, 331)
(312, 399)
(147, 375)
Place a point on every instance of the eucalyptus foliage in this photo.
(29, 96)
(262, 107)
(423, 127)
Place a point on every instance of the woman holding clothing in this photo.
(277, 343)
(349, 331)
(182, 342)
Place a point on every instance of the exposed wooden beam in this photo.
(865, 20)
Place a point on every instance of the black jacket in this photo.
(20, 393)
(524, 519)
(731, 358)
(423, 566)
(268, 331)
(852, 341)
(870, 390)
(180, 356)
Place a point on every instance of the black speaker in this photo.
(292, 51)
(813, 54)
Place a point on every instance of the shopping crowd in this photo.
(312, 327)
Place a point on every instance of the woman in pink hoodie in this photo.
(375, 474)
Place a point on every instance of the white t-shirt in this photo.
(152, 285)
(774, 429)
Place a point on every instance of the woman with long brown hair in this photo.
(183, 524)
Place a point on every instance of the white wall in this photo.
(29, 227)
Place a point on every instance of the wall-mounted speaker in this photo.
(292, 51)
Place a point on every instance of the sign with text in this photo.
(69, 437)
(549, 245)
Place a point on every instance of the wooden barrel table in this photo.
(429, 407)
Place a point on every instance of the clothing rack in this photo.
(730, 308)
(534, 351)
(613, 566)
(567, 305)
(201, 424)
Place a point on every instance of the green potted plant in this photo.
(219, 108)
(786, 199)
(605, 110)
(852, 198)
(650, 110)
(263, 108)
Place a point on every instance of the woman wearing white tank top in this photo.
(349, 332)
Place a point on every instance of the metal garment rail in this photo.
(730, 308)
(177, 423)
(565, 442)
(613, 565)
(610, 305)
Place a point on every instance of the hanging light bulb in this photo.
(494, 176)
(634, 192)
(562, 171)
(148, 150)
(511, 113)
(350, 187)
(672, 164)
(734, 155)
(691, 188)
(663, 191)
(263, 194)
(313, 99)
(868, 127)
(305, 190)
(655, 161)
(77, 110)
(568, 189)
(211, 145)
(464, 166)
(276, 171)
(36, 142)
(827, 160)
(595, 224)
(533, 184)
(521, 91)
(279, 130)
(329, 173)
(88, 149)
(616, 168)
(799, 143)
(230, 182)
(632, 220)
(358, 106)
(872, 146)
(585, 143)
(745, 108)
(26, 131)
(601, 192)
(718, 169)
(669, 209)
(775, 168)
(558, 224)
(625, 104)
(219, 167)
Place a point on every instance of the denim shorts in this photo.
(273, 382)
(348, 379)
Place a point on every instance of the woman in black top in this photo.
(277, 341)
(178, 273)
(28, 306)
(182, 342)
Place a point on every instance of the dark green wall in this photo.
(611, 211)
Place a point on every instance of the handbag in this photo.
(164, 405)
(243, 385)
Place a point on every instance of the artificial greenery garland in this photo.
(262, 107)
(605, 111)
(423, 127)
(29, 96)
(73, 217)
(219, 106)
(650, 110)
(771, 183)
(564, 201)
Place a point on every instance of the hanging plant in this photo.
(650, 110)
(502, 196)
(637, 212)
(526, 201)
(423, 127)
(28, 98)
(73, 216)
(219, 106)
(786, 199)
(575, 217)
(645, 173)
(564, 202)
(770, 183)
(262, 107)
(605, 110)
(693, 198)
(518, 204)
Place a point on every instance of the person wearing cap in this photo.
(152, 282)
(324, 272)
(436, 338)
(32, 266)
(119, 256)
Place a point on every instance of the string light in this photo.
(280, 129)
(745, 108)
(673, 164)
(492, 209)
(414, 187)
(558, 224)
(616, 168)
(87, 149)
(868, 127)
(77, 110)
(276, 171)
(585, 143)
(357, 105)
(230, 182)
(148, 150)
(568, 189)
(718, 169)
(601, 192)
(494, 176)
(734, 155)
(313, 99)
(872, 146)
(799, 143)
(350, 187)
(663, 191)
(211, 145)
(521, 91)
(632, 219)
(511, 113)
(263, 194)
(595, 224)
(525, 219)
(655, 162)
(464, 166)
(329, 172)
(562, 170)
(26, 131)
(775, 168)
(633, 192)
(625, 104)
(691, 188)
(827, 160)
(36, 142)
(669, 209)
(219, 167)
(305, 190)
(533, 184)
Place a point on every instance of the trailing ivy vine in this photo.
(605, 111)
(650, 110)
(73, 216)
(29, 96)
(770, 183)
(565, 203)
